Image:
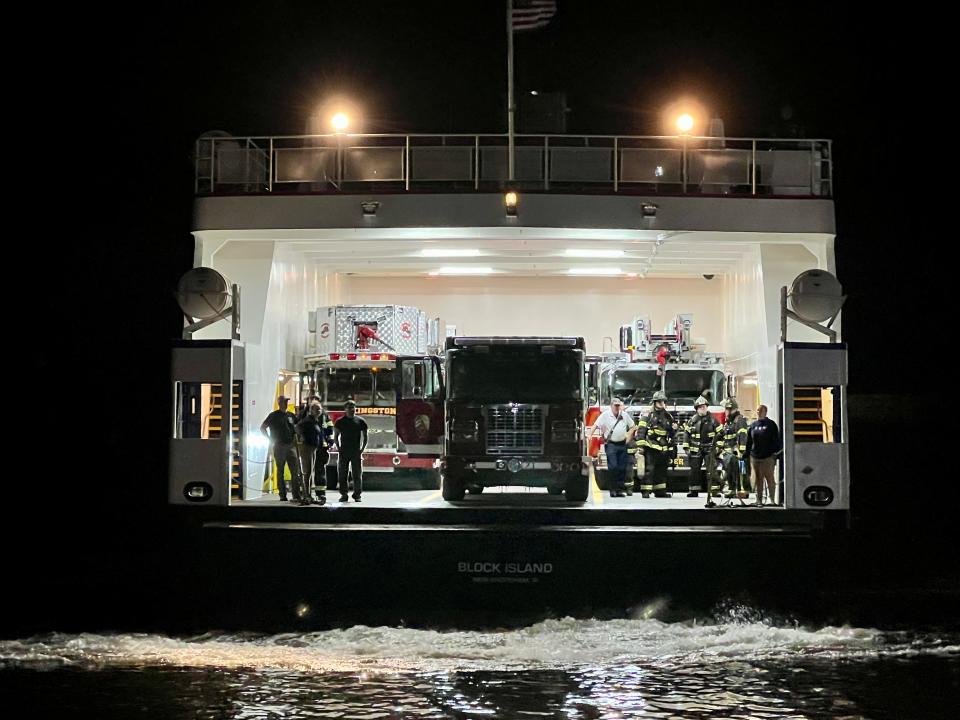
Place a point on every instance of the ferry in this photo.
(591, 230)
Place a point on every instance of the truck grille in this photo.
(514, 429)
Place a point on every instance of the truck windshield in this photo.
(516, 374)
(634, 387)
(385, 392)
(687, 385)
(349, 383)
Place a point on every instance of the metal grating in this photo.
(514, 429)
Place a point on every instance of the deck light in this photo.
(649, 209)
(685, 123)
(340, 121)
(510, 201)
(370, 207)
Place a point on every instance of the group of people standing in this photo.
(717, 452)
(303, 443)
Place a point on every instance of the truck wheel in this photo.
(475, 489)
(602, 478)
(554, 489)
(430, 479)
(453, 486)
(577, 489)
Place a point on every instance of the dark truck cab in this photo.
(504, 411)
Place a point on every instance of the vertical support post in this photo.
(830, 165)
(683, 166)
(196, 167)
(406, 164)
(783, 314)
(813, 167)
(546, 162)
(476, 162)
(616, 163)
(510, 107)
(270, 167)
(753, 167)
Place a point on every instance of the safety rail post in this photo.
(813, 166)
(616, 164)
(270, 166)
(213, 164)
(546, 162)
(753, 167)
(406, 163)
(476, 162)
(830, 165)
(196, 167)
(683, 167)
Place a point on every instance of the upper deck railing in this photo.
(345, 163)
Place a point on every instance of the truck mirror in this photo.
(593, 375)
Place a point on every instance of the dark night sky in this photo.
(132, 89)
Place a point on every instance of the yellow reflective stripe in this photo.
(660, 486)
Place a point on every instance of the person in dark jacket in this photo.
(763, 445)
(280, 428)
(315, 432)
(350, 436)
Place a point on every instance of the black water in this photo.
(564, 668)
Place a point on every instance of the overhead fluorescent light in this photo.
(464, 271)
(594, 271)
(586, 253)
(449, 252)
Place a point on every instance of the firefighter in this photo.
(732, 447)
(633, 449)
(700, 438)
(655, 435)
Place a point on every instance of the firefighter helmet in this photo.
(731, 404)
(700, 401)
(659, 395)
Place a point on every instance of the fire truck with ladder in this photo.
(670, 362)
(354, 357)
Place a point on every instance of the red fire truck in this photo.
(355, 358)
(670, 362)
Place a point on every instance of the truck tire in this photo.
(577, 489)
(602, 478)
(475, 489)
(555, 489)
(453, 487)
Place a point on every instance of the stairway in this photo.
(216, 428)
(808, 422)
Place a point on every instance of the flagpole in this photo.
(510, 105)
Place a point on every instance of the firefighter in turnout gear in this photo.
(732, 448)
(656, 436)
(633, 449)
(700, 439)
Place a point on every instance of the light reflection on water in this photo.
(559, 668)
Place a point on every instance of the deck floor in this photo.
(501, 497)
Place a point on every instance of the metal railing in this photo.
(458, 163)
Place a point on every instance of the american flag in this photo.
(532, 14)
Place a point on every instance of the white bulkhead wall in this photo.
(751, 309)
(278, 288)
(592, 308)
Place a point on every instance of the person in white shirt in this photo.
(616, 427)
